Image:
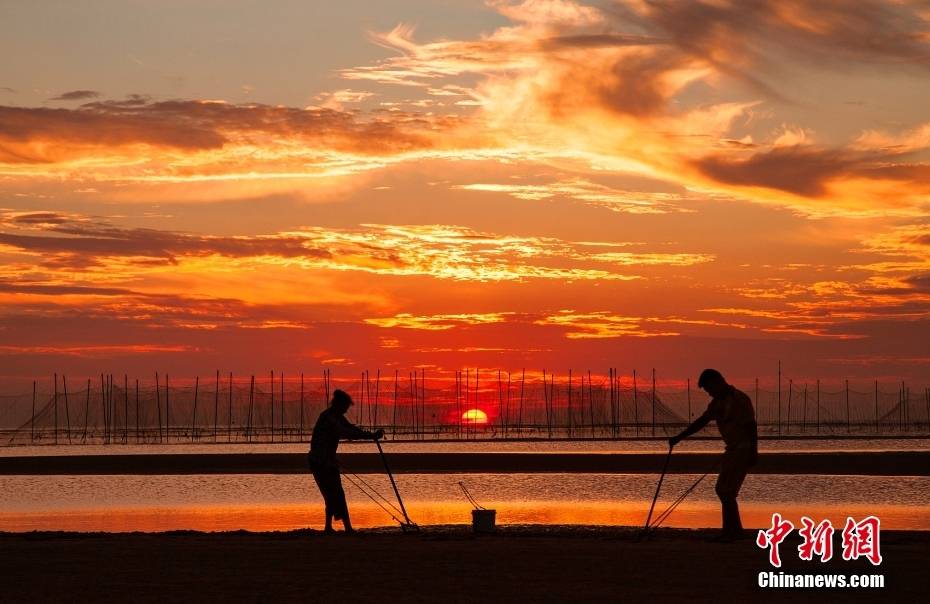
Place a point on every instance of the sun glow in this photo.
(474, 416)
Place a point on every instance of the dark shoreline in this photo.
(872, 463)
(441, 564)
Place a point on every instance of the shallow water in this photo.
(284, 502)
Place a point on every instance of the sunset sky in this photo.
(254, 185)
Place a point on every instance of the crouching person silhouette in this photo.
(332, 426)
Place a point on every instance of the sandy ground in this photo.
(440, 564)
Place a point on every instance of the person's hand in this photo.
(379, 434)
(673, 441)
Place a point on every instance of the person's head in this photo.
(341, 401)
(712, 382)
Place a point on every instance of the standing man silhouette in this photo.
(332, 426)
(736, 420)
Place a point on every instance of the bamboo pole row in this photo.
(588, 411)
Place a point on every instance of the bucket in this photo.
(482, 521)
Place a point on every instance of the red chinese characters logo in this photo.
(817, 539)
(773, 537)
(860, 539)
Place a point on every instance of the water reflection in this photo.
(285, 502)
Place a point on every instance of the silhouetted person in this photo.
(330, 427)
(736, 420)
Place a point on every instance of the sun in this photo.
(474, 416)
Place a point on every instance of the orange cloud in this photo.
(96, 350)
(606, 86)
(616, 200)
(437, 322)
(600, 324)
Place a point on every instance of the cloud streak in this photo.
(76, 95)
(439, 251)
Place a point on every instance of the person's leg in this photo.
(339, 495)
(724, 490)
(322, 483)
(732, 473)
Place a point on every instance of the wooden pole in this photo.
(901, 407)
(804, 416)
(552, 394)
(56, 408)
(138, 435)
(272, 405)
(216, 405)
(779, 397)
(818, 406)
(591, 403)
(229, 411)
(619, 402)
(371, 399)
(33, 423)
(394, 410)
(248, 429)
(105, 402)
(158, 408)
(300, 435)
(283, 419)
(570, 418)
(366, 382)
(411, 376)
(86, 412)
(581, 405)
(474, 431)
(361, 400)
(790, 391)
(103, 406)
(111, 405)
(125, 408)
(111, 408)
(520, 412)
(927, 396)
(500, 400)
(618, 408)
(114, 423)
(507, 408)
(167, 410)
(635, 405)
(374, 407)
(653, 402)
(64, 383)
(928, 408)
(876, 406)
(613, 409)
(194, 414)
(546, 398)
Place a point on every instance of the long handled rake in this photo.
(407, 524)
(655, 497)
(651, 526)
